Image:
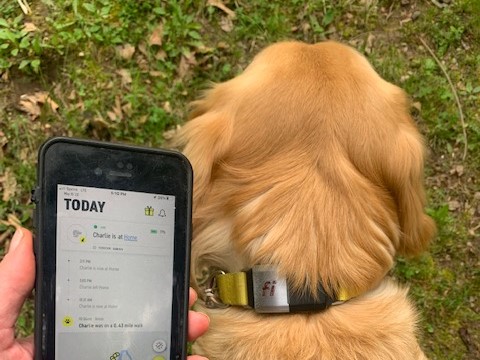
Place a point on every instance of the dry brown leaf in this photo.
(156, 36)
(3, 139)
(142, 47)
(112, 116)
(167, 107)
(29, 105)
(142, 119)
(454, 205)
(161, 55)
(226, 24)
(9, 184)
(53, 105)
(72, 96)
(118, 107)
(30, 27)
(127, 109)
(99, 123)
(220, 5)
(4, 77)
(154, 73)
(369, 44)
(183, 67)
(457, 170)
(417, 105)
(125, 51)
(185, 63)
(169, 134)
(24, 154)
(126, 77)
(142, 63)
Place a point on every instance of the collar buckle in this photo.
(212, 299)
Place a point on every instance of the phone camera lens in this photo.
(98, 171)
(129, 166)
(120, 165)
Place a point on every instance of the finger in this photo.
(192, 297)
(17, 275)
(196, 357)
(27, 344)
(197, 324)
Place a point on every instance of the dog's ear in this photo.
(203, 140)
(404, 175)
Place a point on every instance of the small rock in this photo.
(416, 15)
(454, 205)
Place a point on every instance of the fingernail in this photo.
(16, 239)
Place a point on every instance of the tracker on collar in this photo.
(262, 289)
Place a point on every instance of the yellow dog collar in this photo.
(262, 289)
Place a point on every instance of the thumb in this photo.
(17, 275)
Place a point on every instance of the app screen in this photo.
(114, 274)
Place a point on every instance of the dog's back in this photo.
(309, 161)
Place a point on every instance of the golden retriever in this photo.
(309, 161)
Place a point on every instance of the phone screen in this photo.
(114, 274)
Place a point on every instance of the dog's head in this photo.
(308, 160)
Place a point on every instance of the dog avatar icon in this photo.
(67, 321)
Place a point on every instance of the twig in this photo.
(460, 111)
(439, 5)
(6, 234)
(25, 7)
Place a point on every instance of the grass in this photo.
(80, 53)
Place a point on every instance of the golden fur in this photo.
(309, 161)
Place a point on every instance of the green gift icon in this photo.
(149, 211)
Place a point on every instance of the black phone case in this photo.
(42, 330)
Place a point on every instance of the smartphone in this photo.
(112, 246)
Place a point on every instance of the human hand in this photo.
(197, 324)
(17, 276)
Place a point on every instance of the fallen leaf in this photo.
(4, 77)
(142, 47)
(220, 5)
(457, 170)
(142, 119)
(112, 116)
(126, 51)
(185, 63)
(369, 44)
(118, 107)
(29, 27)
(127, 109)
(72, 96)
(44, 98)
(156, 36)
(99, 123)
(155, 73)
(169, 134)
(454, 205)
(126, 77)
(226, 24)
(161, 55)
(167, 107)
(9, 184)
(29, 105)
(417, 105)
(183, 67)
